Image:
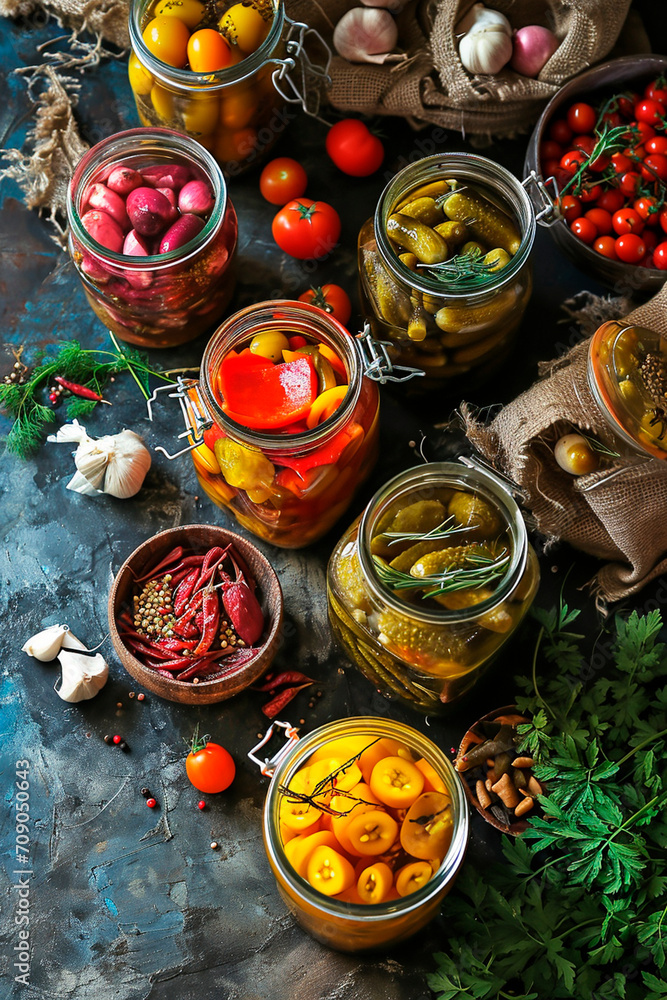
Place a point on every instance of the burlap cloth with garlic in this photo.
(619, 513)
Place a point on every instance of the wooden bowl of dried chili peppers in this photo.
(195, 614)
(497, 778)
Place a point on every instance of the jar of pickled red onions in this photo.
(365, 828)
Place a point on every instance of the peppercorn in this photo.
(107, 739)
(123, 745)
(145, 792)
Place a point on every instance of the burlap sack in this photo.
(617, 513)
(431, 85)
(106, 19)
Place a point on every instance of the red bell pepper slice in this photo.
(264, 396)
(328, 454)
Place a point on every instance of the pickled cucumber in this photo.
(435, 563)
(419, 517)
(417, 238)
(498, 619)
(491, 225)
(435, 189)
(457, 319)
(454, 233)
(405, 560)
(423, 209)
(473, 512)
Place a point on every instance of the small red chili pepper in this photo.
(190, 611)
(286, 677)
(276, 704)
(188, 630)
(211, 609)
(173, 645)
(80, 390)
(185, 588)
(242, 607)
(170, 557)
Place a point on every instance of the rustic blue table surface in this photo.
(124, 902)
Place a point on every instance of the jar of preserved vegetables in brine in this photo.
(152, 234)
(428, 584)
(220, 72)
(373, 836)
(283, 423)
(445, 268)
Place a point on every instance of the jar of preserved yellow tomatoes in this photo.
(365, 828)
(152, 234)
(445, 266)
(222, 74)
(430, 582)
(283, 423)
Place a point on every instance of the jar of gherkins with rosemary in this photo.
(445, 267)
(430, 582)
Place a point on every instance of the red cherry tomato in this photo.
(570, 207)
(656, 144)
(621, 163)
(657, 89)
(640, 132)
(572, 161)
(647, 208)
(654, 167)
(550, 150)
(209, 766)
(662, 219)
(626, 105)
(650, 238)
(353, 148)
(590, 193)
(627, 220)
(660, 256)
(584, 230)
(600, 219)
(306, 229)
(282, 180)
(560, 132)
(629, 183)
(606, 245)
(630, 248)
(332, 299)
(550, 167)
(581, 118)
(650, 111)
(611, 200)
(208, 51)
(586, 143)
(612, 118)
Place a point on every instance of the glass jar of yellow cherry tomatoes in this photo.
(430, 582)
(365, 828)
(283, 423)
(221, 72)
(445, 267)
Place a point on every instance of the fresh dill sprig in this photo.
(478, 570)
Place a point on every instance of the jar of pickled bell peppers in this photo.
(283, 423)
(365, 828)
(221, 73)
(445, 267)
(430, 582)
(152, 234)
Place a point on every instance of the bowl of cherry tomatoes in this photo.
(601, 146)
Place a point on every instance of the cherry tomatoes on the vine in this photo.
(332, 299)
(584, 230)
(560, 132)
(572, 161)
(209, 766)
(647, 209)
(600, 219)
(570, 207)
(550, 150)
(654, 167)
(627, 220)
(581, 118)
(629, 183)
(282, 180)
(656, 144)
(353, 148)
(590, 192)
(306, 229)
(650, 111)
(606, 245)
(611, 200)
(630, 248)
(657, 89)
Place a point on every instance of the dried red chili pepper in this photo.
(286, 677)
(170, 557)
(242, 607)
(80, 390)
(184, 591)
(211, 609)
(276, 704)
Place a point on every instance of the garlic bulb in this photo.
(116, 463)
(487, 46)
(83, 675)
(365, 34)
(45, 645)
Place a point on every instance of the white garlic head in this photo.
(487, 45)
(365, 34)
(116, 463)
(45, 645)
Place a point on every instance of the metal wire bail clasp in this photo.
(196, 416)
(269, 764)
(546, 209)
(375, 360)
(312, 74)
(481, 465)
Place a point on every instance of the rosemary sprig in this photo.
(611, 139)
(449, 526)
(467, 269)
(479, 572)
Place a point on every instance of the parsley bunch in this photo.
(579, 906)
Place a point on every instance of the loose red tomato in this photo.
(560, 132)
(654, 167)
(208, 51)
(660, 256)
(606, 245)
(627, 220)
(584, 230)
(591, 192)
(611, 200)
(657, 89)
(550, 150)
(332, 299)
(629, 183)
(630, 248)
(572, 161)
(306, 229)
(650, 111)
(353, 148)
(647, 208)
(656, 144)
(570, 207)
(600, 219)
(581, 118)
(209, 766)
(282, 180)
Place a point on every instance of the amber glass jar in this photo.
(449, 328)
(238, 113)
(355, 926)
(427, 651)
(286, 488)
(162, 299)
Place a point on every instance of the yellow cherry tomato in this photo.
(396, 782)
(374, 883)
(244, 26)
(208, 51)
(238, 109)
(231, 147)
(299, 850)
(167, 38)
(427, 828)
(412, 877)
(372, 832)
(329, 872)
(269, 344)
(163, 102)
(190, 12)
(200, 115)
(141, 80)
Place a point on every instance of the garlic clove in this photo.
(45, 645)
(131, 461)
(365, 34)
(82, 676)
(485, 51)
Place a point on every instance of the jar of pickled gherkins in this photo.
(367, 870)
(627, 375)
(430, 582)
(283, 423)
(445, 266)
(155, 274)
(222, 73)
